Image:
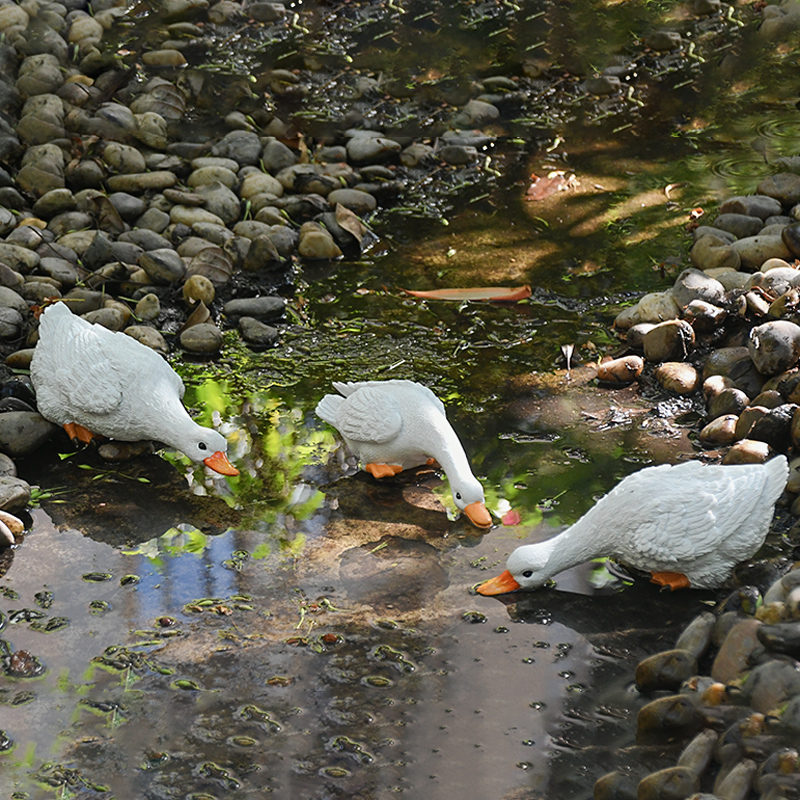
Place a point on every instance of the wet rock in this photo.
(755, 250)
(736, 651)
(747, 418)
(148, 308)
(693, 284)
(715, 384)
(263, 308)
(663, 41)
(755, 205)
(678, 377)
(204, 338)
(791, 238)
(22, 432)
(770, 685)
(740, 225)
(142, 181)
(148, 336)
(672, 783)
(721, 430)
(15, 494)
(365, 149)
(668, 715)
(672, 340)
(316, 243)
(774, 346)
(620, 370)
(665, 670)
(163, 266)
(781, 638)
(257, 333)
(711, 253)
(704, 317)
(654, 307)
(111, 318)
(359, 202)
(784, 187)
(728, 401)
(198, 288)
(735, 363)
(775, 427)
(747, 451)
(616, 785)
(42, 169)
(696, 637)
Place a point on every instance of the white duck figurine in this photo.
(397, 424)
(688, 524)
(97, 382)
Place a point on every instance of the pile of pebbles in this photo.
(730, 692)
(728, 330)
(147, 225)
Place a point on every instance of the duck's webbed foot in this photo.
(77, 433)
(675, 580)
(383, 470)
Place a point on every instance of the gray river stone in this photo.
(774, 346)
(15, 493)
(18, 258)
(358, 202)
(123, 158)
(11, 299)
(11, 322)
(42, 169)
(371, 149)
(755, 250)
(243, 147)
(714, 252)
(204, 338)
(784, 187)
(756, 205)
(148, 336)
(22, 432)
(735, 363)
(693, 284)
(257, 333)
(740, 225)
(277, 156)
(261, 308)
(163, 266)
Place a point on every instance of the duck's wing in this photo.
(369, 414)
(676, 514)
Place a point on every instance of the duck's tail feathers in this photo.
(777, 475)
(328, 407)
(55, 311)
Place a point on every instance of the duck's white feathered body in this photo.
(402, 424)
(114, 386)
(694, 520)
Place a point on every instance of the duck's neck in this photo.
(446, 448)
(576, 545)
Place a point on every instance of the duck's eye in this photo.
(203, 446)
(527, 573)
(458, 495)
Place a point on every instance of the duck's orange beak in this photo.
(219, 463)
(478, 515)
(500, 585)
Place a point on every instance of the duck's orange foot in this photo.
(383, 470)
(675, 580)
(432, 462)
(77, 433)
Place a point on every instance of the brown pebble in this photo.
(620, 370)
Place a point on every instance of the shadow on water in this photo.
(305, 631)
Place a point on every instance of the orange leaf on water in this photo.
(500, 294)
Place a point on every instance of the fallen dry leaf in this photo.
(500, 294)
(511, 517)
(544, 187)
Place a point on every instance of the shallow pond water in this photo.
(305, 631)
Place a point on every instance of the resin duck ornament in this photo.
(97, 382)
(688, 524)
(395, 425)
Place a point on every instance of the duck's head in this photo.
(210, 447)
(469, 498)
(526, 568)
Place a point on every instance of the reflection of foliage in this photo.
(176, 541)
